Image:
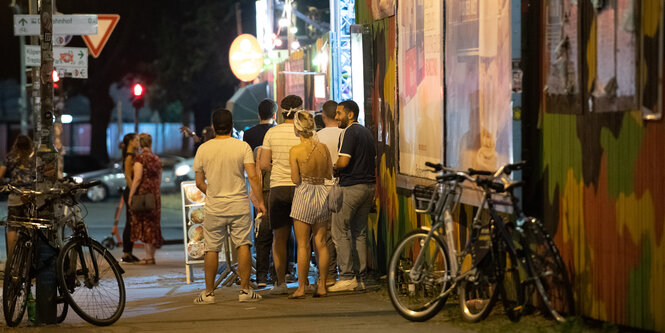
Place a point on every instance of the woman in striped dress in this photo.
(310, 166)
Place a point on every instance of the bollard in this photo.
(46, 286)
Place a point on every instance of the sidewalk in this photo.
(159, 300)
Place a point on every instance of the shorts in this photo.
(214, 231)
(281, 198)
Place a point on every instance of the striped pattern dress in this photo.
(310, 201)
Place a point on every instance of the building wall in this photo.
(598, 179)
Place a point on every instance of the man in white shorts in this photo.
(220, 164)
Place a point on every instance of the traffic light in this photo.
(56, 78)
(137, 96)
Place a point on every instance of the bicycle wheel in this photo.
(92, 281)
(63, 307)
(551, 275)
(512, 289)
(16, 284)
(478, 292)
(417, 298)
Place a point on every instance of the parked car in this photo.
(175, 169)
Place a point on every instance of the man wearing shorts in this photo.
(275, 157)
(220, 164)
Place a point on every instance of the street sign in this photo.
(76, 24)
(61, 40)
(96, 42)
(68, 61)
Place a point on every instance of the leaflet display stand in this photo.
(192, 227)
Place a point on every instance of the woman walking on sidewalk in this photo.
(147, 177)
(310, 167)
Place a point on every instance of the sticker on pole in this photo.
(106, 24)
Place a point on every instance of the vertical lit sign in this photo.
(246, 57)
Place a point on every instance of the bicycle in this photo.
(496, 259)
(88, 276)
(425, 267)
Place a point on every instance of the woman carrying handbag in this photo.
(144, 200)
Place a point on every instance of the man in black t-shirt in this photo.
(356, 166)
(254, 136)
(263, 240)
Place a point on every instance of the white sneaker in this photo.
(249, 296)
(204, 298)
(279, 289)
(344, 285)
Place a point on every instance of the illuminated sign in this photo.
(246, 57)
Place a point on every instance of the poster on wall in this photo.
(614, 88)
(478, 84)
(420, 78)
(561, 57)
(383, 8)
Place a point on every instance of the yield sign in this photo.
(105, 25)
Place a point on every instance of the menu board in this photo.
(193, 202)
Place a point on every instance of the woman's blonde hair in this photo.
(304, 124)
(145, 140)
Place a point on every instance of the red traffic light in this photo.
(138, 90)
(55, 76)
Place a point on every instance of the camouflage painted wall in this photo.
(601, 177)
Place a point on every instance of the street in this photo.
(159, 300)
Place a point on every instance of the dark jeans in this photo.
(127, 244)
(263, 243)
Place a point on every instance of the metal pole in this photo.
(36, 105)
(22, 102)
(47, 166)
(136, 120)
(119, 120)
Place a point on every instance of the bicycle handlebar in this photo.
(69, 187)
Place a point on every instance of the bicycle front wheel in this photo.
(550, 274)
(16, 284)
(92, 282)
(479, 291)
(417, 296)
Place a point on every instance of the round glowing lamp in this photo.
(246, 57)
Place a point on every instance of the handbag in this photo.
(143, 202)
(335, 197)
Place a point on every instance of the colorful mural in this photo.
(598, 179)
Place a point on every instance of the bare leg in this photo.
(150, 251)
(244, 265)
(12, 237)
(303, 232)
(210, 270)
(320, 231)
(280, 237)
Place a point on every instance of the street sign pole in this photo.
(47, 166)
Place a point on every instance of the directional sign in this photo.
(68, 61)
(96, 42)
(61, 40)
(77, 24)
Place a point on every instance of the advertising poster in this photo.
(420, 76)
(478, 84)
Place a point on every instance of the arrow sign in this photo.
(77, 24)
(68, 61)
(96, 42)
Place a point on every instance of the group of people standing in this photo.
(290, 177)
(143, 175)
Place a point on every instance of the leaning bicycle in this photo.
(89, 278)
(428, 264)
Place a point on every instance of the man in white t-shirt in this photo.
(220, 165)
(329, 136)
(275, 157)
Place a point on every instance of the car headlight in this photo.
(182, 170)
(77, 179)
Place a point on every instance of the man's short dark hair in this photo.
(267, 109)
(222, 121)
(329, 109)
(351, 106)
(288, 103)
